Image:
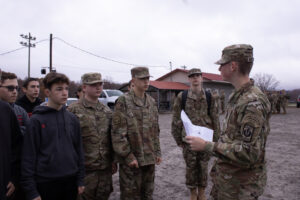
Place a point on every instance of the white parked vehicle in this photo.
(70, 101)
(108, 97)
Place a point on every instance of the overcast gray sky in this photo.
(152, 33)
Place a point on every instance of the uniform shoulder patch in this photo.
(247, 132)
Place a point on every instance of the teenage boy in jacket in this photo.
(52, 157)
(30, 99)
(10, 143)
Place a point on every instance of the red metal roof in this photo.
(206, 76)
(212, 77)
(164, 85)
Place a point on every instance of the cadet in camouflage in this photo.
(197, 110)
(135, 138)
(95, 124)
(274, 102)
(283, 100)
(240, 170)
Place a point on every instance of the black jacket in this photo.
(28, 105)
(10, 145)
(52, 149)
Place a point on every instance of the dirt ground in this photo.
(283, 162)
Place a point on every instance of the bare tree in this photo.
(266, 82)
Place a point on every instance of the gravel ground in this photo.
(283, 162)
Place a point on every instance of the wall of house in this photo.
(177, 77)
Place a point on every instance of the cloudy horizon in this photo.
(188, 33)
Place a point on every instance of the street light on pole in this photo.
(29, 45)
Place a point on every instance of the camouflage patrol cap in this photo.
(140, 72)
(236, 52)
(91, 78)
(194, 71)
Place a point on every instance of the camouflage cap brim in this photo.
(93, 82)
(143, 76)
(221, 62)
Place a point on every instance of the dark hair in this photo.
(79, 89)
(7, 75)
(245, 67)
(53, 77)
(28, 80)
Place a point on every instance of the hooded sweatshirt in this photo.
(28, 105)
(52, 149)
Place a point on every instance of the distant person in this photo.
(10, 145)
(8, 92)
(135, 138)
(283, 100)
(274, 102)
(95, 123)
(278, 102)
(31, 89)
(239, 172)
(79, 93)
(52, 157)
(130, 85)
(202, 109)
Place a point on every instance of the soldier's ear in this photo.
(234, 66)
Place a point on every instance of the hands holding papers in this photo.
(196, 135)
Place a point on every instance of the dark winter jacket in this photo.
(10, 145)
(28, 105)
(52, 149)
(22, 117)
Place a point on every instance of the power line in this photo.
(102, 57)
(11, 51)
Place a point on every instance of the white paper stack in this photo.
(196, 131)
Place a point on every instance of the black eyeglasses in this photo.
(11, 88)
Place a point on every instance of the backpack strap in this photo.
(183, 99)
(208, 101)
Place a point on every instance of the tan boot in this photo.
(194, 194)
(201, 193)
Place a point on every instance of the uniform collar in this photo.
(240, 91)
(138, 101)
(88, 104)
(193, 95)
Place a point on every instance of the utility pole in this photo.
(171, 69)
(29, 45)
(50, 58)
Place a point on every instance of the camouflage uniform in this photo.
(274, 102)
(278, 102)
(240, 170)
(95, 124)
(196, 109)
(135, 136)
(222, 99)
(283, 101)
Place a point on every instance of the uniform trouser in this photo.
(283, 105)
(278, 107)
(229, 187)
(137, 183)
(98, 185)
(196, 167)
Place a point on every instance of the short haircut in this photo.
(53, 77)
(7, 75)
(28, 80)
(245, 67)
